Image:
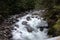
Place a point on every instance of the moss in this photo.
(55, 30)
(57, 7)
(57, 25)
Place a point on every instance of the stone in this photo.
(28, 18)
(24, 23)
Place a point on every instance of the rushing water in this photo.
(30, 27)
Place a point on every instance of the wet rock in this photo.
(32, 16)
(26, 13)
(17, 26)
(41, 28)
(28, 18)
(24, 23)
(20, 32)
(16, 20)
(29, 29)
(14, 29)
(10, 36)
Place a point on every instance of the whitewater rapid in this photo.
(30, 27)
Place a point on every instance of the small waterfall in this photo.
(30, 27)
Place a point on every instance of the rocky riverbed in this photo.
(6, 26)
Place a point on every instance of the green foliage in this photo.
(38, 4)
(11, 7)
(57, 6)
(48, 3)
(25, 4)
(57, 25)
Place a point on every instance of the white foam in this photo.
(22, 33)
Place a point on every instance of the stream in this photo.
(30, 27)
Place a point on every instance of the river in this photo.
(31, 26)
